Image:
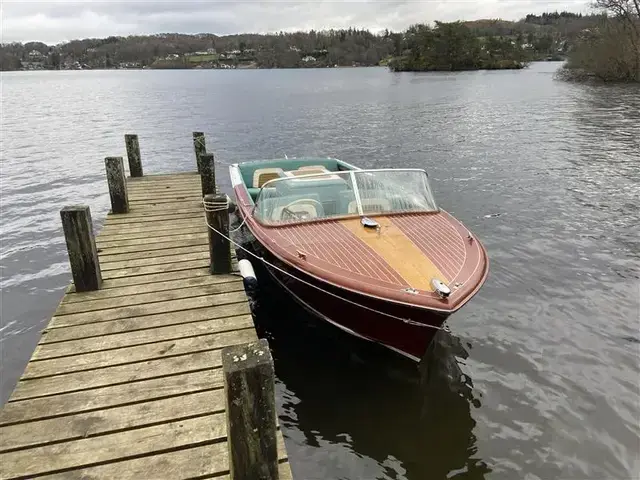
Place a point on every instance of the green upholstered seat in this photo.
(247, 169)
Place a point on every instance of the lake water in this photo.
(540, 378)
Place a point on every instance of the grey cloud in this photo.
(60, 20)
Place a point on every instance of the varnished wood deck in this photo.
(126, 382)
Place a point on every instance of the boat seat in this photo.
(263, 175)
(313, 167)
(371, 205)
(308, 171)
(309, 208)
(270, 209)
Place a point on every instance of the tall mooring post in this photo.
(199, 146)
(133, 154)
(117, 181)
(217, 213)
(81, 245)
(249, 383)
(207, 169)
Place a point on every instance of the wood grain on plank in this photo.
(83, 425)
(109, 396)
(146, 270)
(136, 236)
(196, 271)
(148, 309)
(96, 360)
(157, 193)
(152, 242)
(171, 180)
(94, 450)
(233, 284)
(167, 207)
(160, 202)
(151, 248)
(166, 225)
(166, 185)
(134, 214)
(125, 219)
(140, 255)
(238, 308)
(159, 176)
(141, 337)
(398, 251)
(199, 254)
(198, 462)
(128, 373)
(195, 281)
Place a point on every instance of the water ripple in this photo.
(547, 174)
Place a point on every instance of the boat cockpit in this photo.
(299, 190)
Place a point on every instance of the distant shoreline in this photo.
(284, 68)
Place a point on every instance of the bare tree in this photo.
(628, 13)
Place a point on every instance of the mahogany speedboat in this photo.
(366, 250)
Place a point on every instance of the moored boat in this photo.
(367, 250)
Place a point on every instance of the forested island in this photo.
(586, 40)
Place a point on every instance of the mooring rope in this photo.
(220, 206)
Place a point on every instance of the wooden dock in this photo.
(127, 381)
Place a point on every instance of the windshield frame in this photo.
(351, 174)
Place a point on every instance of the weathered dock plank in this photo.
(196, 281)
(103, 397)
(155, 242)
(175, 346)
(120, 374)
(175, 266)
(197, 230)
(178, 305)
(188, 272)
(100, 449)
(141, 337)
(127, 381)
(83, 425)
(231, 285)
(198, 462)
(230, 310)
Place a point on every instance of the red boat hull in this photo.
(403, 328)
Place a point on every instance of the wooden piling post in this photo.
(133, 154)
(199, 146)
(217, 214)
(249, 384)
(117, 181)
(206, 167)
(81, 245)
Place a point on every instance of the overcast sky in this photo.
(60, 20)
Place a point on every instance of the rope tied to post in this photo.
(219, 206)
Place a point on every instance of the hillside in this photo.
(536, 36)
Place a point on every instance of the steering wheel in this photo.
(288, 213)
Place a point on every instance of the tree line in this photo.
(604, 45)
(345, 47)
(453, 46)
(610, 50)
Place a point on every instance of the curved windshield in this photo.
(300, 197)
